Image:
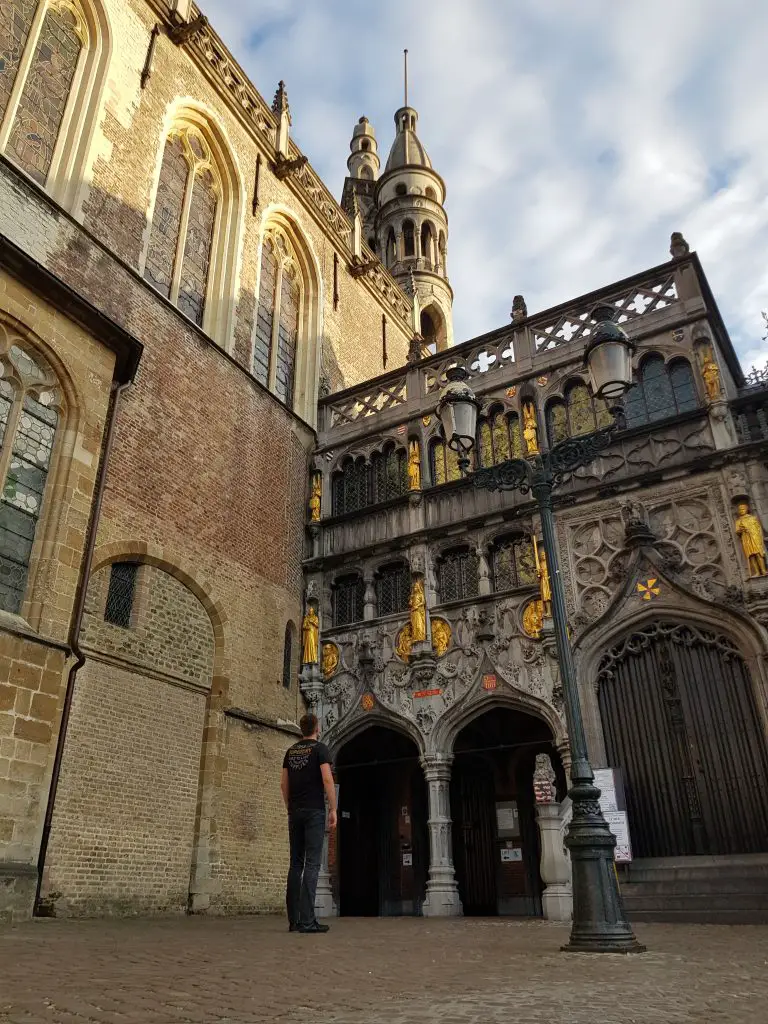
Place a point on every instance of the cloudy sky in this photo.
(574, 135)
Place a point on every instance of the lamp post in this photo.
(599, 922)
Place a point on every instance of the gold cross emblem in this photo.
(649, 589)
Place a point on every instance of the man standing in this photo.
(306, 781)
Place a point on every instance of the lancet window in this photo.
(29, 402)
(514, 563)
(499, 438)
(348, 594)
(577, 413)
(42, 46)
(278, 315)
(662, 390)
(393, 588)
(458, 575)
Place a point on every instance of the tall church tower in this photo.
(360, 186)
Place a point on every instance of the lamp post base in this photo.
(599, 921)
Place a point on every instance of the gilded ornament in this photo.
(542, 381)
(310, 636)
(331, 658)
(711, 375)
(368, 702)
(404, 642)
(441, 636)
(530, 429)
(533, 618)
(426, 420)
(542, 571)
(750, 533)
(418, 607)
(315, 501)
(414, 467)
(511, 392)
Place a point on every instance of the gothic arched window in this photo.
(409, 239)
(278, 314)
(443, 462)
(351, 487)
(577, 413)
(29, 398)
(288, 645)
(428, 243)
(184, 221)
(499, 438)
(662, 390)
(514, 563)
(393, 588)
(41, 45)
(348, 593)
(457, 572)
(391, 251)
(389, 474)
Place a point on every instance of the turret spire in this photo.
(405, 69)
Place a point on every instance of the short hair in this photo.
(308, 725)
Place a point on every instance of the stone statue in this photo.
(530, 429)
(414, 467)
(330, 659)
(315, 500)
(310, 636)
(418, 607)
(750, 532)
(544, 780)
(711, 375)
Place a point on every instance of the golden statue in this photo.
(711, 375)
(533, 618)
(404, 642)
(530, 429)
(441, 636)
(310, 636)
(414, 467)
(545, 584)
(330, 659)
(750, 532)
(418, 607)
(316, 498)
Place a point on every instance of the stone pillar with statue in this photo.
(555, 868)
(311, 678)
(442, 899)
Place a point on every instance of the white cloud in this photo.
(573, 137)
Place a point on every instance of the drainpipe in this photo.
(76, 625)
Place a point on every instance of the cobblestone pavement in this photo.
(398, 971)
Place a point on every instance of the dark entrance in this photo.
(680, 720)
(383, 853)
(495, 837)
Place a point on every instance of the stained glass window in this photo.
(15, 22)
(197, 250)
(393, 589)
(661, 391)
(265, 312)
(578, 414)
(28, 423)
(499, 438)
(581, 414)
(557, 421)
(38, 118)
(186, 205)
(457, 573)
(348, 593)
(514, 563)
(278, 317)
(166, 223)
(287, 334)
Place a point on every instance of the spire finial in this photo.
(405, 68)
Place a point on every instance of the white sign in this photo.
(407, 860)
(605, 782)
(511, 854)
(507, 819)
(619, 825)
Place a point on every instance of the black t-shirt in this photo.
(305, 780)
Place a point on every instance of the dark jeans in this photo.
(306, 832)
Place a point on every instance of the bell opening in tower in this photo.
(433, 329)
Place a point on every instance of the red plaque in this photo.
(489, 682)
(427, 693)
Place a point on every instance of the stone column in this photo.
(369, 598)
(442, 890)
(557, 898)
(324, 905)
(483, 573)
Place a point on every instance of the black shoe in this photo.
(313, 929)
(293, 927)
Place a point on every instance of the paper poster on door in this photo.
(508, 855)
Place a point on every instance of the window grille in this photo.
(577, 414)
(389, 474)
(457, 571)
(121, 592)
(348, 592)
(661, 391)
(351, 487)
(393, 589)
(444, 463)
(499, 439)
(514, 563)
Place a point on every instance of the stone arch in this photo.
(307, 369)
(206, 854)
(353, 726)
(433, 322)
(623, 616)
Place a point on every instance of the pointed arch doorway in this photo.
(680, 719)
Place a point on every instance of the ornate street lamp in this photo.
(458, 410)
(599, 922)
